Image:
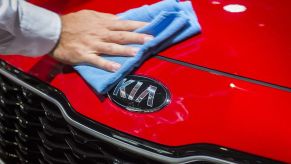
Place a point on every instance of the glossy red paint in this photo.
(254, 43)
(205, 107)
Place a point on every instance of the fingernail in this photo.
(115, 67)
(134, 51)
(148, 38)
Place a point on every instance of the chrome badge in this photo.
(140, 94)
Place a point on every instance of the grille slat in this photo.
(50, 129)
(51, 158)
(33, 130)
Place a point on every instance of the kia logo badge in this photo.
(140, 94)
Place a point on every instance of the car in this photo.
(222, 96)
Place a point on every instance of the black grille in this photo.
(32, 130)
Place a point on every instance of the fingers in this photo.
(103, 33)
(126, 25)
(125, 37)
(101, 63)
(115, 49)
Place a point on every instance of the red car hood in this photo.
(253, 43)
(230, 85)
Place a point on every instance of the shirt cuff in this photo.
(39, 30)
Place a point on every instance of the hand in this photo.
(87, 34)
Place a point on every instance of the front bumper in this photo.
(38, 125)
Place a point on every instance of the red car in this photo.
(223, 96)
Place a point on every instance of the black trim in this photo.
(175, 152)
(201, 68)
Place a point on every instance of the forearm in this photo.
(27, 29)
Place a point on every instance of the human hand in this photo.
(87, 34)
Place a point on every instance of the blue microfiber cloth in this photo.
(171, 21)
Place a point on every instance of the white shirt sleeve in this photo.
(27, 29)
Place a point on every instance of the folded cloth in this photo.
(170, 21)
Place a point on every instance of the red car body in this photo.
(230, 85)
